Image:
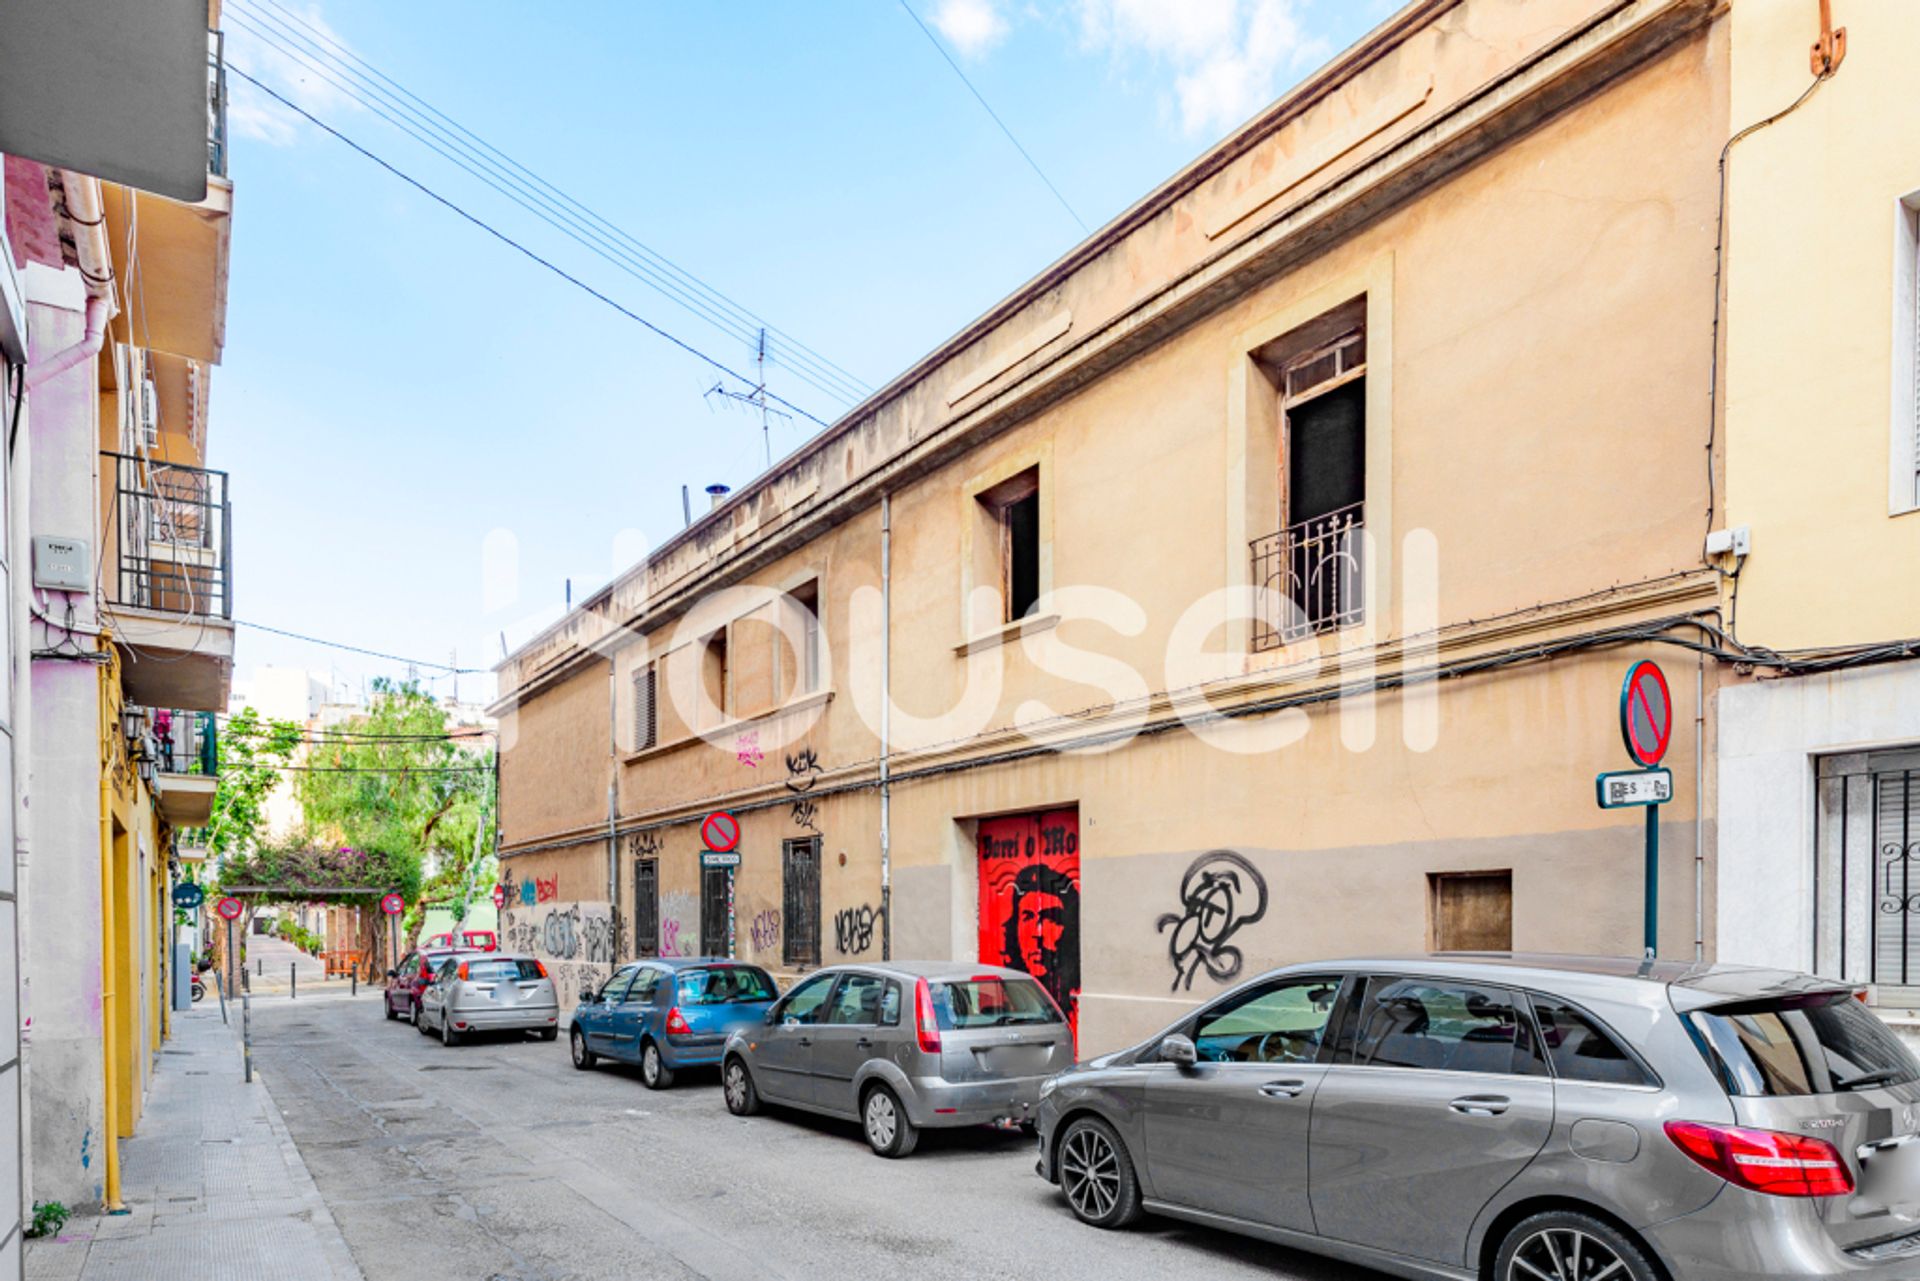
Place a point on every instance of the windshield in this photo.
(992, 1002)
(724, 984)
(1827, 1043)
(503, 971)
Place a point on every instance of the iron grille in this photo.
(1309, 578)
(646, 725)
(172, 526)
(646, 907)
(217, 104)
(716, 912)
(1867, 871)
(187, 742)
(800, 895)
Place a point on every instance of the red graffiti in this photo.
(1030, 900)
(546, 890)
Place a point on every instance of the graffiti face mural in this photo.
(1030, 900)
(1220, 893)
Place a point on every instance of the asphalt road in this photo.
(497, 1160)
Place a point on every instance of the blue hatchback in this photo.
(667, 1015)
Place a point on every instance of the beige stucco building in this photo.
(1254, 584)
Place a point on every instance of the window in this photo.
(1444, 1027)
(857, 1003)
(1282, 1022)
(646, 720)
(805, 1004)
(807, 678)
(646, 906)
(800, 895)
(716, 912)
(502, 971)
(724, 985)
(992, 1002)
(615, 988)
(714, 673)
(1822, 1043)
(1470, 911)
(1014, 508)
(1903, 490)
(646, 980)
(1581, 1050)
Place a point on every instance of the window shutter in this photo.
(645, 726)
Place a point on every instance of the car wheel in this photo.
(549, 1033)
(889, 1132)
(583, 1058)
(448, 1036)
(1566, 1243)
(737, 1084)
(389, 1008)
(1097, 1175)
(413, 1014)
(653, 1070)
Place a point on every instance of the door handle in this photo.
(1480, 1104)
(805, 1040)
(864, 1043)
(1289, 1089)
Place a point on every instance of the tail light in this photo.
(1792, 1165)
(677, 1023)
(541, 967)
(463, 971)
(924, 1021)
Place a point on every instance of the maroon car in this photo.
(407, 980)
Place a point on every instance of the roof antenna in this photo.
(686, 507)
(757, 398)
(569, 593)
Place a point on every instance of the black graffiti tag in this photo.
(803, 770)
(853, 929)
(1220, 893)
(806, 815)
(644, 843)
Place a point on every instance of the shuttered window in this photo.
(646, 723)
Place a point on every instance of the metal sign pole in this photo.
(1653, 882)
(233, 959)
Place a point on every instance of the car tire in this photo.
(654, 1072)
(1097, 1174)
(420, 1024)
(549, 1033)
(391, 1016)
(413, 1014)
(1557, 1233)
(583, 1058)
(890, 1133)
(448, 1037)
(736, 1083)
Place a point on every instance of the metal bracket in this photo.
(1830, 50)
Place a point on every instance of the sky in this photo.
(430, 434)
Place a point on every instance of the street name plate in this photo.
(1627, 788)
(719, 858)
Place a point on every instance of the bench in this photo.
(341, 962)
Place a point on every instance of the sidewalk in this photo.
(214, 1183)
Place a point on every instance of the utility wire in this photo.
(378, 92)
(509, 241)
(1031, 162)
(355, 649)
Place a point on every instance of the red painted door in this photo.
(1030, 900)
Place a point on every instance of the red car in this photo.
(407, 980)
(470, 941)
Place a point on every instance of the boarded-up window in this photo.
(646, 724)
(646, 907)
(1471, 911)
(800, 915)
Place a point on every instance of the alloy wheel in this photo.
(882, 1121)
(735, 1083)
(650, 1065)
(1565, 1254)
(578, 1044)
(1090, 1173)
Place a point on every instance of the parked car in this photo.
(469, 941)
(1517, 1118)
(488, 992)
(670, 1014)
(901, 1047)
(407, 980)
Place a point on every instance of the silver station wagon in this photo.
(488, 992)
(1515, 1118)
(902, 1046)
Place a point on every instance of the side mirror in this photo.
(772, 1017)
(1178, 1050)
(393, 974)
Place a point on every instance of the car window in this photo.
(407, 963)
(506, 970)
(1444, 1027)
(1581, 1050)
(615, 988)
(992, 1001)
(890, 1006)
(857, 1001)
(1820, 1043)
(805, 1004)
(1281, 1022)
(447, 967)
(645, 980)
(725, 983)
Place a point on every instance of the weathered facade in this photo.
(1255, 584)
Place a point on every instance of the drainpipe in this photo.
(886, 705)
(1699, 810)
(86, 349)
(109, 1001)
(86, 217)
(613, 791)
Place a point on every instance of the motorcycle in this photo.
(199, 989)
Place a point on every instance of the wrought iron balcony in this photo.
(1309, 578)
(185, 742)
(170, 532)
(217, 104)
(178, 752)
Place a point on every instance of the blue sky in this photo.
(397, 385)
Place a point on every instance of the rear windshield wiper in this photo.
(1865, 1079)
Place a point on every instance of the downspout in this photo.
(86, 349)
(1699, 810)
(110, 1110)
(886, 705)
(613, 793)
(84, 213)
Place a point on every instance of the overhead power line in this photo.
(355, 649)
(509, 241)
(979, 98)
(312, 49)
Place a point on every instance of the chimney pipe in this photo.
(716, 494)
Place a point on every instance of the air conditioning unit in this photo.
(149, 423)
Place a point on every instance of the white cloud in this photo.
(1228, 56)
(296, 60)
(971, 26)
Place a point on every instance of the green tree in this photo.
(252, 753)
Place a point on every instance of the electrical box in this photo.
(62, 564)
(1737, 541)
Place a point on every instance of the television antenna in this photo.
(756, 398)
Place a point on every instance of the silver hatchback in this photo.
(1515, 1118)
(900, 1047)
(488, 992)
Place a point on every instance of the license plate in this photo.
(1889, 1174)
(1017, 1059)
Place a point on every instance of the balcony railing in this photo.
(217, 104)
(172, 526)
(184, 742)
(1309, 576)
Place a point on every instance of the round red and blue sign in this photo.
(1646, 713)
(229, 908)
(393, 905)
(720, 831)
